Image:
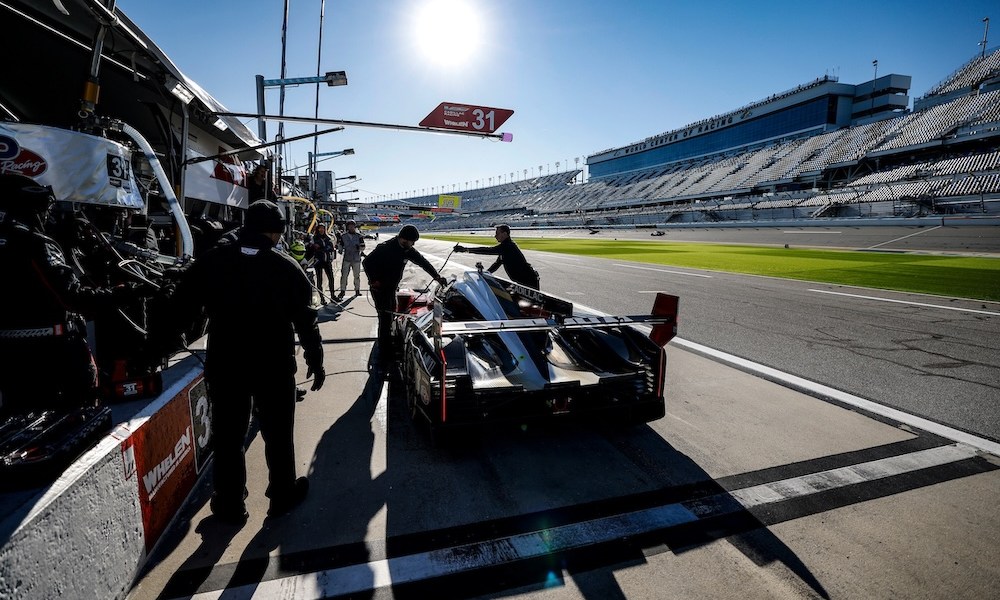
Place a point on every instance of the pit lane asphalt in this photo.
(382, 498)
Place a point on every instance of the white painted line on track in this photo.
(663, 271)
(575, 266)
(819, 390)
(924, 304)
(412, 568)
(906, 236)
(813, 232)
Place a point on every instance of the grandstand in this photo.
(823, 149)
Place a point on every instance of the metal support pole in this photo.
(261, 123)
(182, 181)
(311, 171)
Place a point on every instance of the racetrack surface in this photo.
(746, 489)
(964, 239)
(908, 351)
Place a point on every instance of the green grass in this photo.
(943, 275)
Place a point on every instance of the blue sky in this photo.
(582, 76)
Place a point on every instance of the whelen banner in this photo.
(167, 452)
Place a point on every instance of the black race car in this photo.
(485, 350)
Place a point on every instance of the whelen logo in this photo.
(26, 163)
(159, 474)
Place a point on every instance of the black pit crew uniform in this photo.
(384, 268)
(257, 299)
(519, 270)
(45, 360)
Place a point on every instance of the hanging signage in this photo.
(466, 117)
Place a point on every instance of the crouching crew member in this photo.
(257, 299)
(384, 269)
(508, 255)
(45, 360)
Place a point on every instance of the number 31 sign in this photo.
(465, 117)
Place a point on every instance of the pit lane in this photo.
(747, 488)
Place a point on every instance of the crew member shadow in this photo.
(553, 458)
(216, 535)
(199, 566)
(330, 527)
(333, 310)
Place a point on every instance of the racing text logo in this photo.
(18, 160)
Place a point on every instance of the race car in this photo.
(485, 350)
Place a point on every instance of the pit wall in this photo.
(89, 533)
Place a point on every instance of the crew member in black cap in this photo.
(45, 360)
(509, 256)
(257, 299)
(384, 269)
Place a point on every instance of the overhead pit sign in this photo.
(466, 117)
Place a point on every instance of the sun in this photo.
(448, 33)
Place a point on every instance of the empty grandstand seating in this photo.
(941, 157)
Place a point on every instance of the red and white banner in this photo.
(466, 117)
(166, 454)
(221, 181)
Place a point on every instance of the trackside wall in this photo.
(88, 533)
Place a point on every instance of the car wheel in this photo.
(410, 393)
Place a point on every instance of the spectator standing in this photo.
(384, 267)
(518, 269)
(325, 252)
(257, 300)
(352, 247)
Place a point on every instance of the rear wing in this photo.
(663, 319)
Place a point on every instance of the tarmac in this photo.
(383, 505)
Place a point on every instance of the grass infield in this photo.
(942, 275)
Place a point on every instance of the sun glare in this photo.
(448, 33)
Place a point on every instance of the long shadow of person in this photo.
(531, 482)
(343, 499)
(199, 566)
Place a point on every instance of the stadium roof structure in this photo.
(821, 105)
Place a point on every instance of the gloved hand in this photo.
(374, 285)
(442, 281)
(319, 377)
(460, 248)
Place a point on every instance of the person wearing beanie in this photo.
(257, 300)
(518, 269)
(47, 305)
(384, 269)
(325, 252)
